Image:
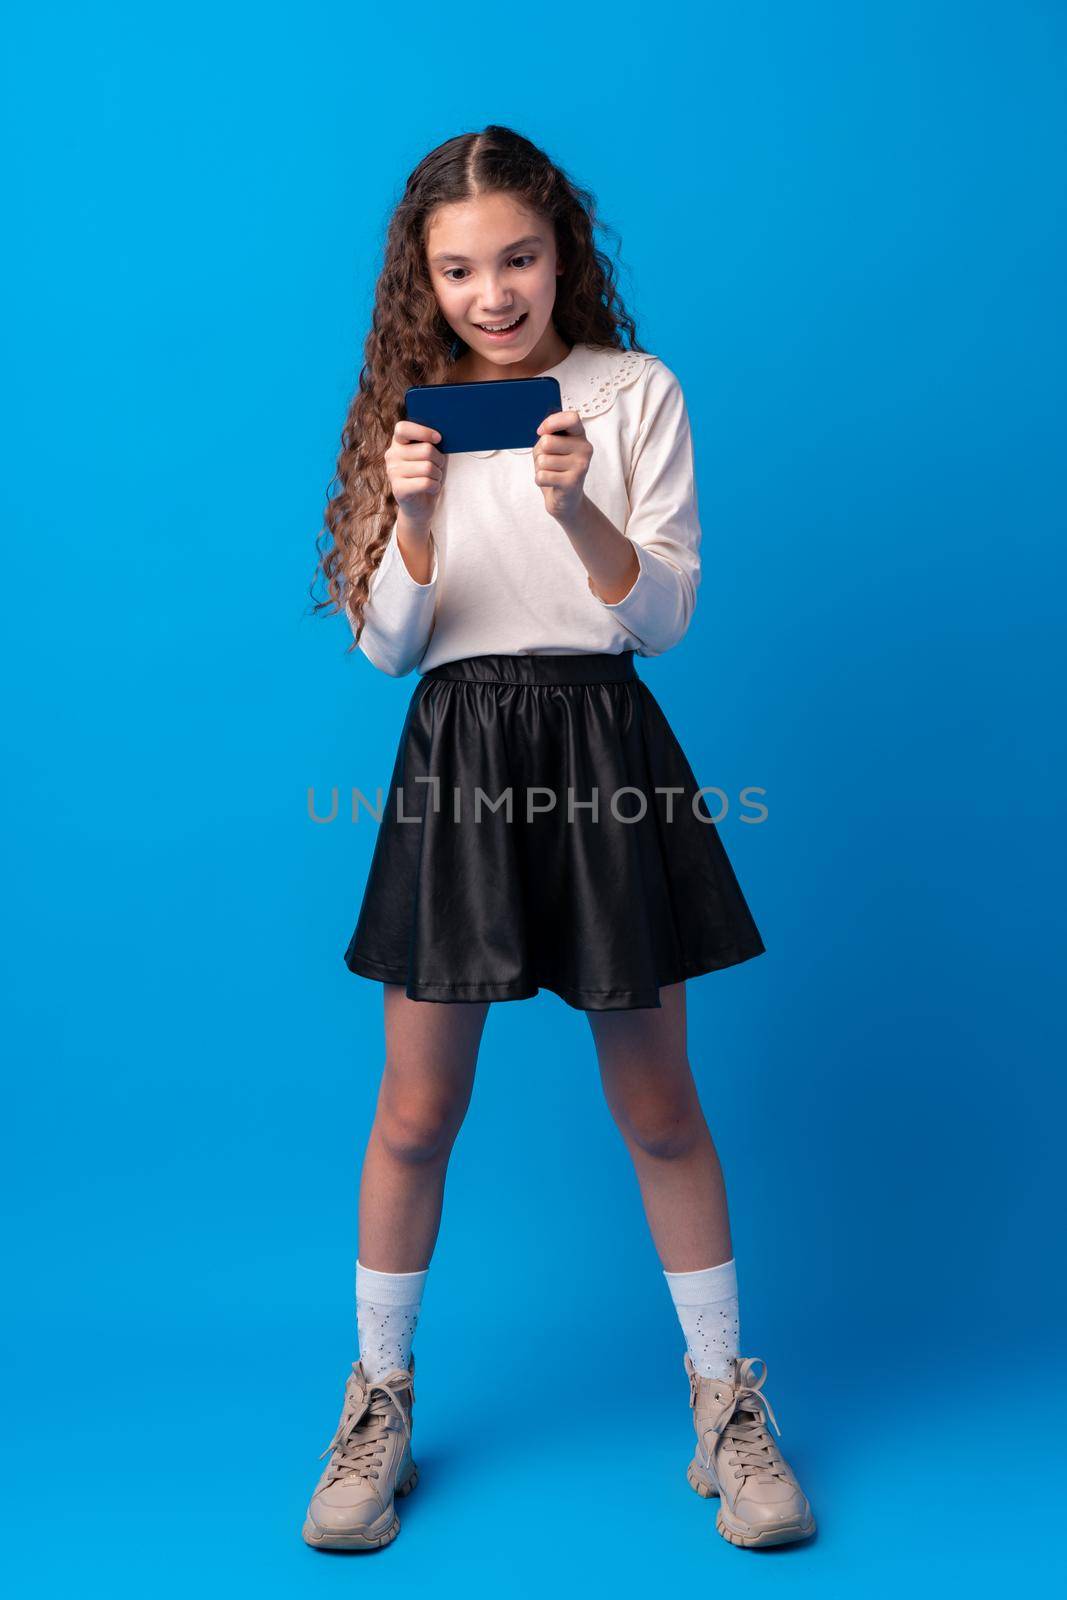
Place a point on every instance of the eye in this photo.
(523, 258)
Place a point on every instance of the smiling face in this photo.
(493, 261)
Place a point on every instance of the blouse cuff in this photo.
(394, 556)
(655, 608)
(399, 614)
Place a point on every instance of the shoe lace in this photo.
(741, 1423)
(363, 1431)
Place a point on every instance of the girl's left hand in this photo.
(561, 461)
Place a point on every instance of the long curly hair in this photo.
(411, 343)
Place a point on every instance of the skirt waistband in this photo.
(596, 667)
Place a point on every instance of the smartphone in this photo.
(489, 414)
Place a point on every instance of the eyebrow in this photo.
(448, 255)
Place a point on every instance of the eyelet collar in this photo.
(590, 377)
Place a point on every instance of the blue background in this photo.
(843, 227)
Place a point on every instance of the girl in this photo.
(544, 828)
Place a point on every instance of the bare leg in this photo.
(649, 1088)
(431, 1053)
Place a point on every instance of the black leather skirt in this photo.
(527, 842)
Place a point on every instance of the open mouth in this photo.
(502, 333)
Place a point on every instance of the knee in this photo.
(662, 1125)
(417, 1128)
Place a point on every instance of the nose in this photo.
(496, 306)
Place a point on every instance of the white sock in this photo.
(706, 1303)
(387, 1310)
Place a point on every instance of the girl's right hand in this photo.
(416, 471)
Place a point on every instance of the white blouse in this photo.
(506, 579)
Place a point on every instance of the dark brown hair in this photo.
(410, 342)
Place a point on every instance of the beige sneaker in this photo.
(352, 1506)
(761, 1501)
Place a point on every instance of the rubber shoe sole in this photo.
(701, 1481)
(322, 1539)
(783, 1533)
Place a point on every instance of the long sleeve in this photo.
(398, 618)
(663, 521)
